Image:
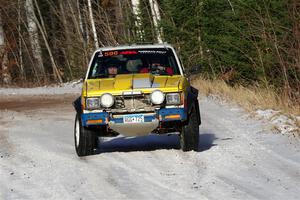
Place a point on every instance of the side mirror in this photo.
(196, 69)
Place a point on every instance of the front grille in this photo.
(133, 103)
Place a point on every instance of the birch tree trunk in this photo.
(6, 78)
(81, 9)
(42, 29)
(86, 24)
(79, 17)
(120, 20)
(93, 24)
(21, 64)
(34, 39)
(156, 19)
(67, 50)
(138, 21)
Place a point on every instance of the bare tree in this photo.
(41, 25)
(79, 17)
(138, 21)
(34, 39)
(92, 21)
(21, 64)
(156, 19)
(6, 78)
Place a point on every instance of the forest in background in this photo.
(243, 42)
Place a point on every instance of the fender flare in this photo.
(192, 101)
(77, 106)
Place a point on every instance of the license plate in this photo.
(133, 119)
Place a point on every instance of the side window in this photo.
(181, 64)
(173, 64)
(177, 52)
(95, 67)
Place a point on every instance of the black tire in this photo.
(85, 140)
(189, 135)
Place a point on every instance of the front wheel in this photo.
(85, 140)
(189, 134)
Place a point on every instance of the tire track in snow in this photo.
(236, 160)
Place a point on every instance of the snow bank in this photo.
(65, 88)
(282, 123)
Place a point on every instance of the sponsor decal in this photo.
(111, 53)
(152, 52)
(128, 52)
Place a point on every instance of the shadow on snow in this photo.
(151, 143)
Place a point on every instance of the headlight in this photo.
(173, 98)
(107, 100)
(157, 97)
(92, 103)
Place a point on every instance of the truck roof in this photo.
(135, 46)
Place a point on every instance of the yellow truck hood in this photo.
(145, 83)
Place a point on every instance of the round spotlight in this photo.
(107, 100)
(157, 97)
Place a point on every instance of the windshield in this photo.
(158, 61)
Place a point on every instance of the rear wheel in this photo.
(189, 135)
(85, 140)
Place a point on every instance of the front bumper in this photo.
(161, 115)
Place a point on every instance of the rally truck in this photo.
(136, 90)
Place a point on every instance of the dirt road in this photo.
(238, 158)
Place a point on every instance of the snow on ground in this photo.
(283, 124)
(238, 158)
(65, 88)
